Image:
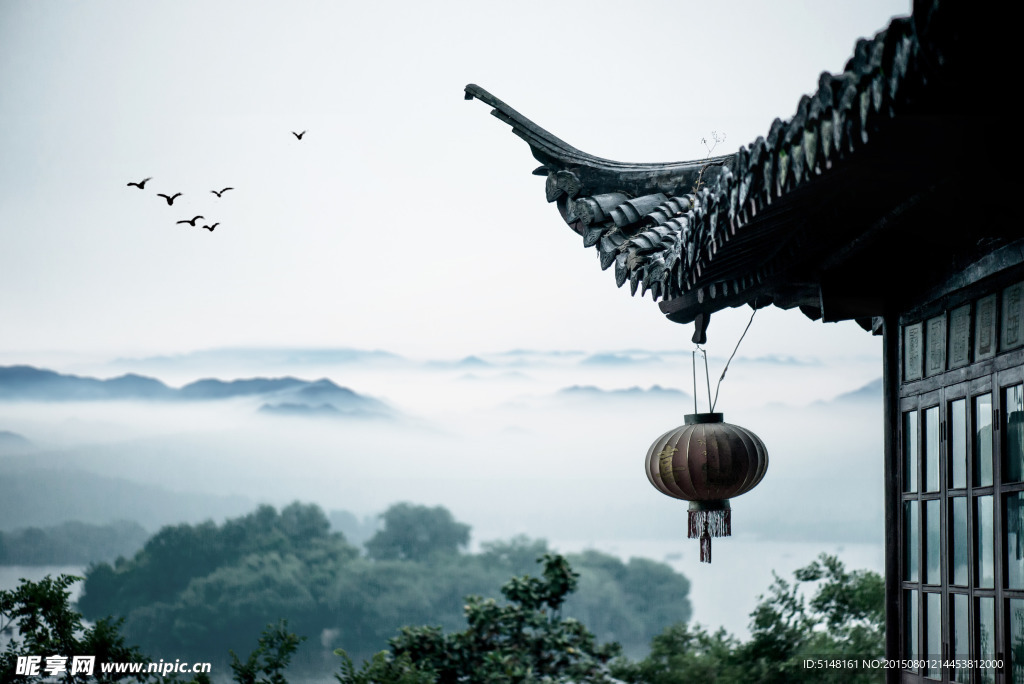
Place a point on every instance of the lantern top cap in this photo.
(710, 505)
(693, 418)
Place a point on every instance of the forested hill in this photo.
(70, 543)
(197, 591)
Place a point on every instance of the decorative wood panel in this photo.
(960, 336)
(935, 359)
(913, 352)
(985, 328)
(1013, 320)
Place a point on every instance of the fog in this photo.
(542, 443)
(406, 224)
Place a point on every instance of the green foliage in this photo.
(826, 612)
(416, 533)
(218, 586)
(382, 668)
(71, 543)
(628, 602)
(202, 567)
(682, 654)
(843, 619)
(45, 625)
(523, 640)
(851, 603)
(516, 555)
(267, 663)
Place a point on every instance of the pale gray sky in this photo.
(407, 219)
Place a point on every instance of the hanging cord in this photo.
(707, 376)
(693, 358)
(719, 385)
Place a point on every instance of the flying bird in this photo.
(218, 194)
(193, 221)
(299, 135)
(170, 200)
(210, 228)
(141, 185)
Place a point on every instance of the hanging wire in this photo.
(719, 385)
(707, 376)
(693, 358)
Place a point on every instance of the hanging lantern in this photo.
(707, 461)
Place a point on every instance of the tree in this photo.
(844, 619)
(178, 555)
(383, 668)
(205, 589)
(267, 663)
(684, 654)
(629, 603)
(524, 640)
(416, 532)
(47, 626)
(516, 555)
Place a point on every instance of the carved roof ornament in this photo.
(778, 221)
(642, 218)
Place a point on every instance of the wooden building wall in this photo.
(954, 479)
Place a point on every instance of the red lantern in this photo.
(707, 462)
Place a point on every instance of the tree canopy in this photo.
(70, 543)
(206, 589)
(416, 532)
(843, 618)
(42, 622)
(523, 640)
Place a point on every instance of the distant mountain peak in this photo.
(12, 440)
(38, 384)
(269, 356)
(620, 358)
(594, 391)
(213, 388)
(869, 392)
(27, 383)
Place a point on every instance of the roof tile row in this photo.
(663, 225)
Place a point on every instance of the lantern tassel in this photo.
(705, 548)
(716, 523)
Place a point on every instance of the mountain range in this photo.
(590, 391)
(269, 357)
(28, 383)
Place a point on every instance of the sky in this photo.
(406, 218)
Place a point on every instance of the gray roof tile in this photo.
(724, 243)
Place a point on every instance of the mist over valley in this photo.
(546, 444)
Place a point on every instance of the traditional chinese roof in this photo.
(822, 213)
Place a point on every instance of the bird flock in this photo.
(141, 185)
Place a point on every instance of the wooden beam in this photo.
(893, 488)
